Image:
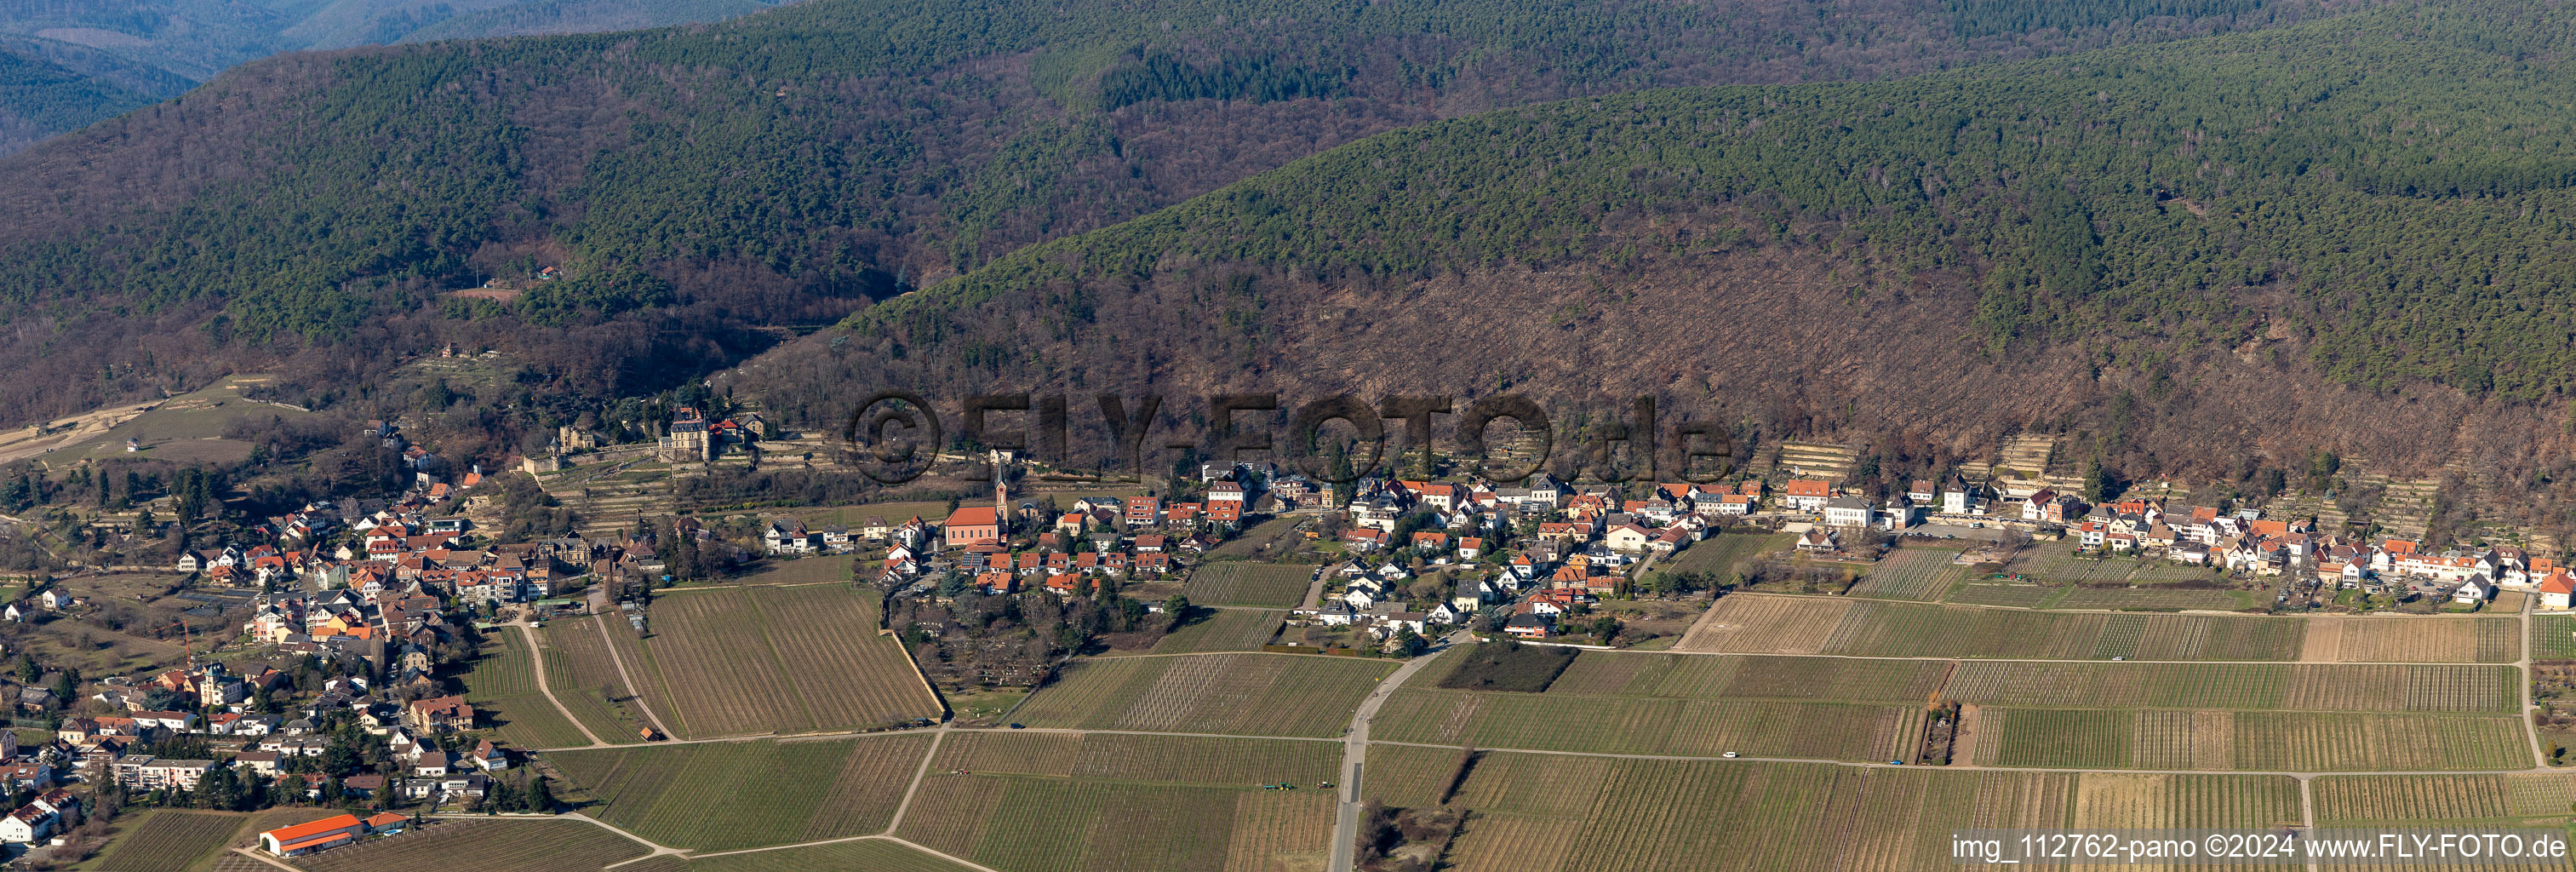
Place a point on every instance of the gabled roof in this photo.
(326, 825)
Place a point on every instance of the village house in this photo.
(1852, 512)
(2557, 589)
(1807, 496)
(439, 715)
(1629, 537)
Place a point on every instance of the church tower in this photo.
(1001, 497)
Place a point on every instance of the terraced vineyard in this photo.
(1651, 725)
(168, 840)
(731, 661)
(2245, 740)
(503, 689)
(2516, 796)
(2268, 686)
(2532, 800)
(2553, 637)
(2394, 638)
(873, 855)
(1838, 679)
(1580, 814)
(1816, 625)
(1262, 585)
(1014, 822)
(1224, 630)
(1245, 694)
(585, 680)
(772, 792)
(1161, 759)
(1912, 573)
(2010, 594)
(2156, 598)
(1719, 556)
(2057, 561)
(498, 845)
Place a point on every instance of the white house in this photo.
(1334, 613)
(2557, 589)
(1630, 537)
(1900, 514)
(2474, 590)
(1848, 512)
(27, 824)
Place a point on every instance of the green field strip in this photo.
(795, 689)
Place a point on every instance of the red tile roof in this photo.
(299, 831)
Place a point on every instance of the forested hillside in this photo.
(2282, 237)
(65, 64)
(580, 16)
(47, 87)
(786, 167)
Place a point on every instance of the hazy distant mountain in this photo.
(65, 65)
(47, 87)
(535, 17)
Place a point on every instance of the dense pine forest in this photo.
(65, 64)
(2401, 177)
(310, 212)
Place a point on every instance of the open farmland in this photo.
(1159, 759)
(503, 689)
(872, 855)
(2553, 637)
(585, 680)
(1269, 540)
(1912, 573)
(1246, 694)
(2513, 796)
(854, 517)
(1817, 625)
(1652, 725)
(493, 845)
(2020, 595)
(2383, 801)
(1223, 630)
(801, 570)
(2412, 639)
(2057, 561)
(2261, 686)
(1012, 822)
(1838, 679)
(1263, 585)
(1557, 813)
(181, 429)
(731, 661)
(2244, 740)
(1718, 557)
(774, 792)
(168, 840)
(2152, 598)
